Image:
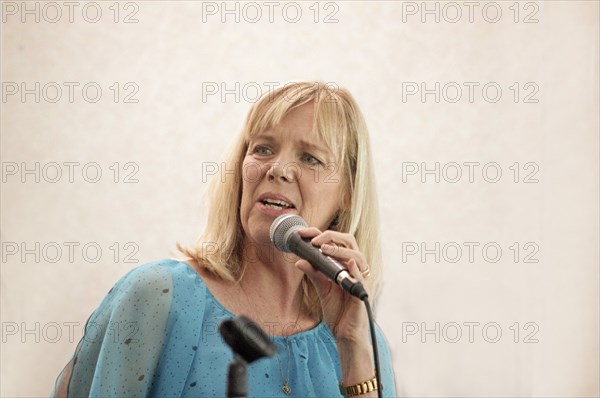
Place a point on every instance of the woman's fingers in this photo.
(343, 253)
(357, 273)
(338, 238)
(309, 232)
(320, 281)
(342, 246)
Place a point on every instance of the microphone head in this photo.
(282, 227)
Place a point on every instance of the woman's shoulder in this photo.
(156, 277)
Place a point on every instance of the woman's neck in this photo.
(272, 286)
(269, 292)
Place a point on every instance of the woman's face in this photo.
(289, 170)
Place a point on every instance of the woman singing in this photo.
(304, 150)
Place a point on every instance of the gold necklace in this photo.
(285, 387)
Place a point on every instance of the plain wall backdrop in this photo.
(484, 126)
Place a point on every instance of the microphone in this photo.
(284, 235)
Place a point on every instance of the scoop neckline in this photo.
(305, 333)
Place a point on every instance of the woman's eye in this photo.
(261, 150)
(310, 159)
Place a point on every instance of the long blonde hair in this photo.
(339, 122)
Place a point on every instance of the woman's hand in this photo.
(344, 314)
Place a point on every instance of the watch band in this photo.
(359, 388)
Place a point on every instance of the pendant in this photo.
(286, 389)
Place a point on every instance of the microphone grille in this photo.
(281, 227)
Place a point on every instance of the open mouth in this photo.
(276, 204)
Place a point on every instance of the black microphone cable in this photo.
(375, 348)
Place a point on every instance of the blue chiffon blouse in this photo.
(156, 333)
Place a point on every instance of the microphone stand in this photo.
(248, 343)
(237, 378)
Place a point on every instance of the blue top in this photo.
(156, 334)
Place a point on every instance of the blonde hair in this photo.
(339, 122)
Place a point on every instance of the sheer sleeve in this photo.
(123, 340)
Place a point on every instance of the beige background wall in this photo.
(544, 303)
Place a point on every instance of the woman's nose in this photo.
(283, 169)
